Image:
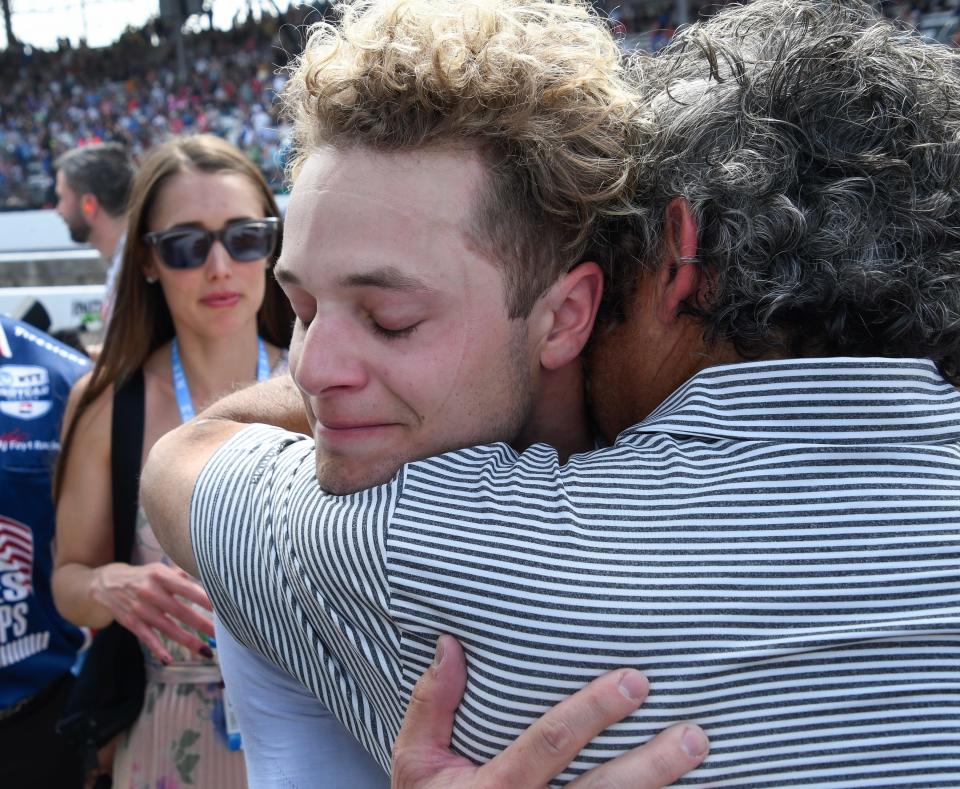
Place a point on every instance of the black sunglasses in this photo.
(245, 240)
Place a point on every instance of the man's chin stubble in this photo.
(337, 480)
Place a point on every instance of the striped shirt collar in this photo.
(827, 400)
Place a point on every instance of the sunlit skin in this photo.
(68, 207)
(223, 295)
(635, 365)
(403, 347)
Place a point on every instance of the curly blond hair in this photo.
(536, 87)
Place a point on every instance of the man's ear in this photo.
(679, 278)
(570, 310)
(89, 205)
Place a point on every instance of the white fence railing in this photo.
(69, 306)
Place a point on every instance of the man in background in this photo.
(92, 187)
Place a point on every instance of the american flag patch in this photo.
(16, 549)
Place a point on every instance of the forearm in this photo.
(275, 402)
(168, 478)
(73, 586)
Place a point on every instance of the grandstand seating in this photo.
(55, 101)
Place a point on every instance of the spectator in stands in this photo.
(37, 646)
(92, 185)
(56, 101)
(129, 92)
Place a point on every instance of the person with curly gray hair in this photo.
(811, 151)
(771, 535)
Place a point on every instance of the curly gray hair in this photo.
(819, 150)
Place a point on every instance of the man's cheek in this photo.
(294, 360)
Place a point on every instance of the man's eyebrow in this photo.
(386, 277)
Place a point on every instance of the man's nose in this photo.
(330, 358)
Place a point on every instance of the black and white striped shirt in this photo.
(777, 547)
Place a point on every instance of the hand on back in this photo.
(422, 758)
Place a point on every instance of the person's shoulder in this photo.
(500, 464)
(95, 421)
(252, 450)
(496, 460)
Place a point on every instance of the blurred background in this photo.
(138, 71)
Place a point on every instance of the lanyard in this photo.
(182, 389)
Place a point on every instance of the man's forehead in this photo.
(368, 213)
(387, 277)
(428, 185)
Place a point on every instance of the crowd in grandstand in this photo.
(130, 92)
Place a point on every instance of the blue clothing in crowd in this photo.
(36, 644)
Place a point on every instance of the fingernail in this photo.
(438, 655)
(694, 742)
(633, 686)
(212, 642)
(206, 652)
(166, 660)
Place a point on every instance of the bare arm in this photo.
(84, 513)
(275, 402)
(176, 460)
(91, 588)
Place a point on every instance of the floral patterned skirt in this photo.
(178, 740)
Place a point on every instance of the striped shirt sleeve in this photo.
(236, 553)
(298, 575)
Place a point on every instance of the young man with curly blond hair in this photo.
(771, 536)
(461, 171)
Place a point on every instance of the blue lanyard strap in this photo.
(182, 389)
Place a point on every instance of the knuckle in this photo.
(556, 736)
(420, 695)
(137, 610)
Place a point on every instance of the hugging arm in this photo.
(176, 460)
(288, 734)
(422, 757)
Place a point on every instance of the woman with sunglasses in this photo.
(199, 314)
